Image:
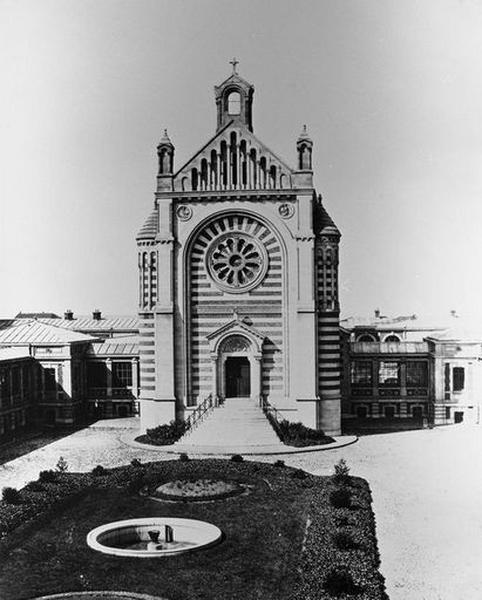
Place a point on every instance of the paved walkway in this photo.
(427, 493)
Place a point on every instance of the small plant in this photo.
(299, 474)
(342, 473)
(344, 541)
(280, 463)
(48, 476)
(34, 486)
(11, 495)
(237, 458)
(62, 465)
(339, 581)
(98, 471)
(136, 483)
(135, 462)
(340, 498)
(183, 457)
(342, 521)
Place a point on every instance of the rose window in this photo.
(236, 262)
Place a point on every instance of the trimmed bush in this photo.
(298, 435)
(164, 435)
(280, 463)
(339, 581)
(344, 541)
(48, 476)
(34, 486)
(299, 474)
(341, 475)
(99, 471)
(340, 498)
(135, 462)
(183, 457)
(11, 495)
(237, 458)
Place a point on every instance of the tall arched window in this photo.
(234, 103)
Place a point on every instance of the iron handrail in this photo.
(272, 414)
(208, 404)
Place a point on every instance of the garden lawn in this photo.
(266, 543)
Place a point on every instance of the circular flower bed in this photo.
(198, 490)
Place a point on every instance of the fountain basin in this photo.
(131, 537)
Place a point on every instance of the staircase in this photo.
(238, 422)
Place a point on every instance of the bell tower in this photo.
(234, 101)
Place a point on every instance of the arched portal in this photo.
(237, 367)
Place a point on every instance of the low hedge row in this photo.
(297, 434)
(163, 435)
(340, 556)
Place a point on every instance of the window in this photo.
(447, 412)
(447, 377)
(389, 373)
(389, 412)
(366, 337)
(96, 375)
(458, 375)
(50, 381)
(15, 381)
(392, 338)
(122, 374)
(361, 372)
(417, 373)
(234, 103)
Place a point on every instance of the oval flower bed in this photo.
(197, 490)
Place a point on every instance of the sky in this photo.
(391, 93)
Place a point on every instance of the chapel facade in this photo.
(238, 278)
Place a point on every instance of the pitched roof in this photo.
(124, 323)
(23, 332)
(323, 223)
(119, 346)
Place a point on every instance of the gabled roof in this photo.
(24, 332)
(223, 134)
(235, 324)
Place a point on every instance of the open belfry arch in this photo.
(238, 278)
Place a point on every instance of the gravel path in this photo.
(427, 493)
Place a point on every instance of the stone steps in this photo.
(237, 422)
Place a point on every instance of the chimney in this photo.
(377, 313)
(68, 315)
(96, 315)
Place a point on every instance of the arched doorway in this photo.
(237, 371)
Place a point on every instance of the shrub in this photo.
(237, 458)
(342, 521)
(135, 462)
(98, 471)
(342, 473)
(340, 498)
(164, 435)
(297, 434)
(344, 541)
(183, 457)
(339, 581)
(136, 482)
(280, 463)
(34, 486)
(48, 476)
(299, 474)
(62, 465)
(10, 495)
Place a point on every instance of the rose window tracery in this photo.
(236, 262)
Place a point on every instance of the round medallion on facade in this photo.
(184, 212)
(286, 210)
(236, 262)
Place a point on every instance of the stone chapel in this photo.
(238, 278)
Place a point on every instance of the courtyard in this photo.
(426, 487)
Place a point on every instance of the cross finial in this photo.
(234, 62)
